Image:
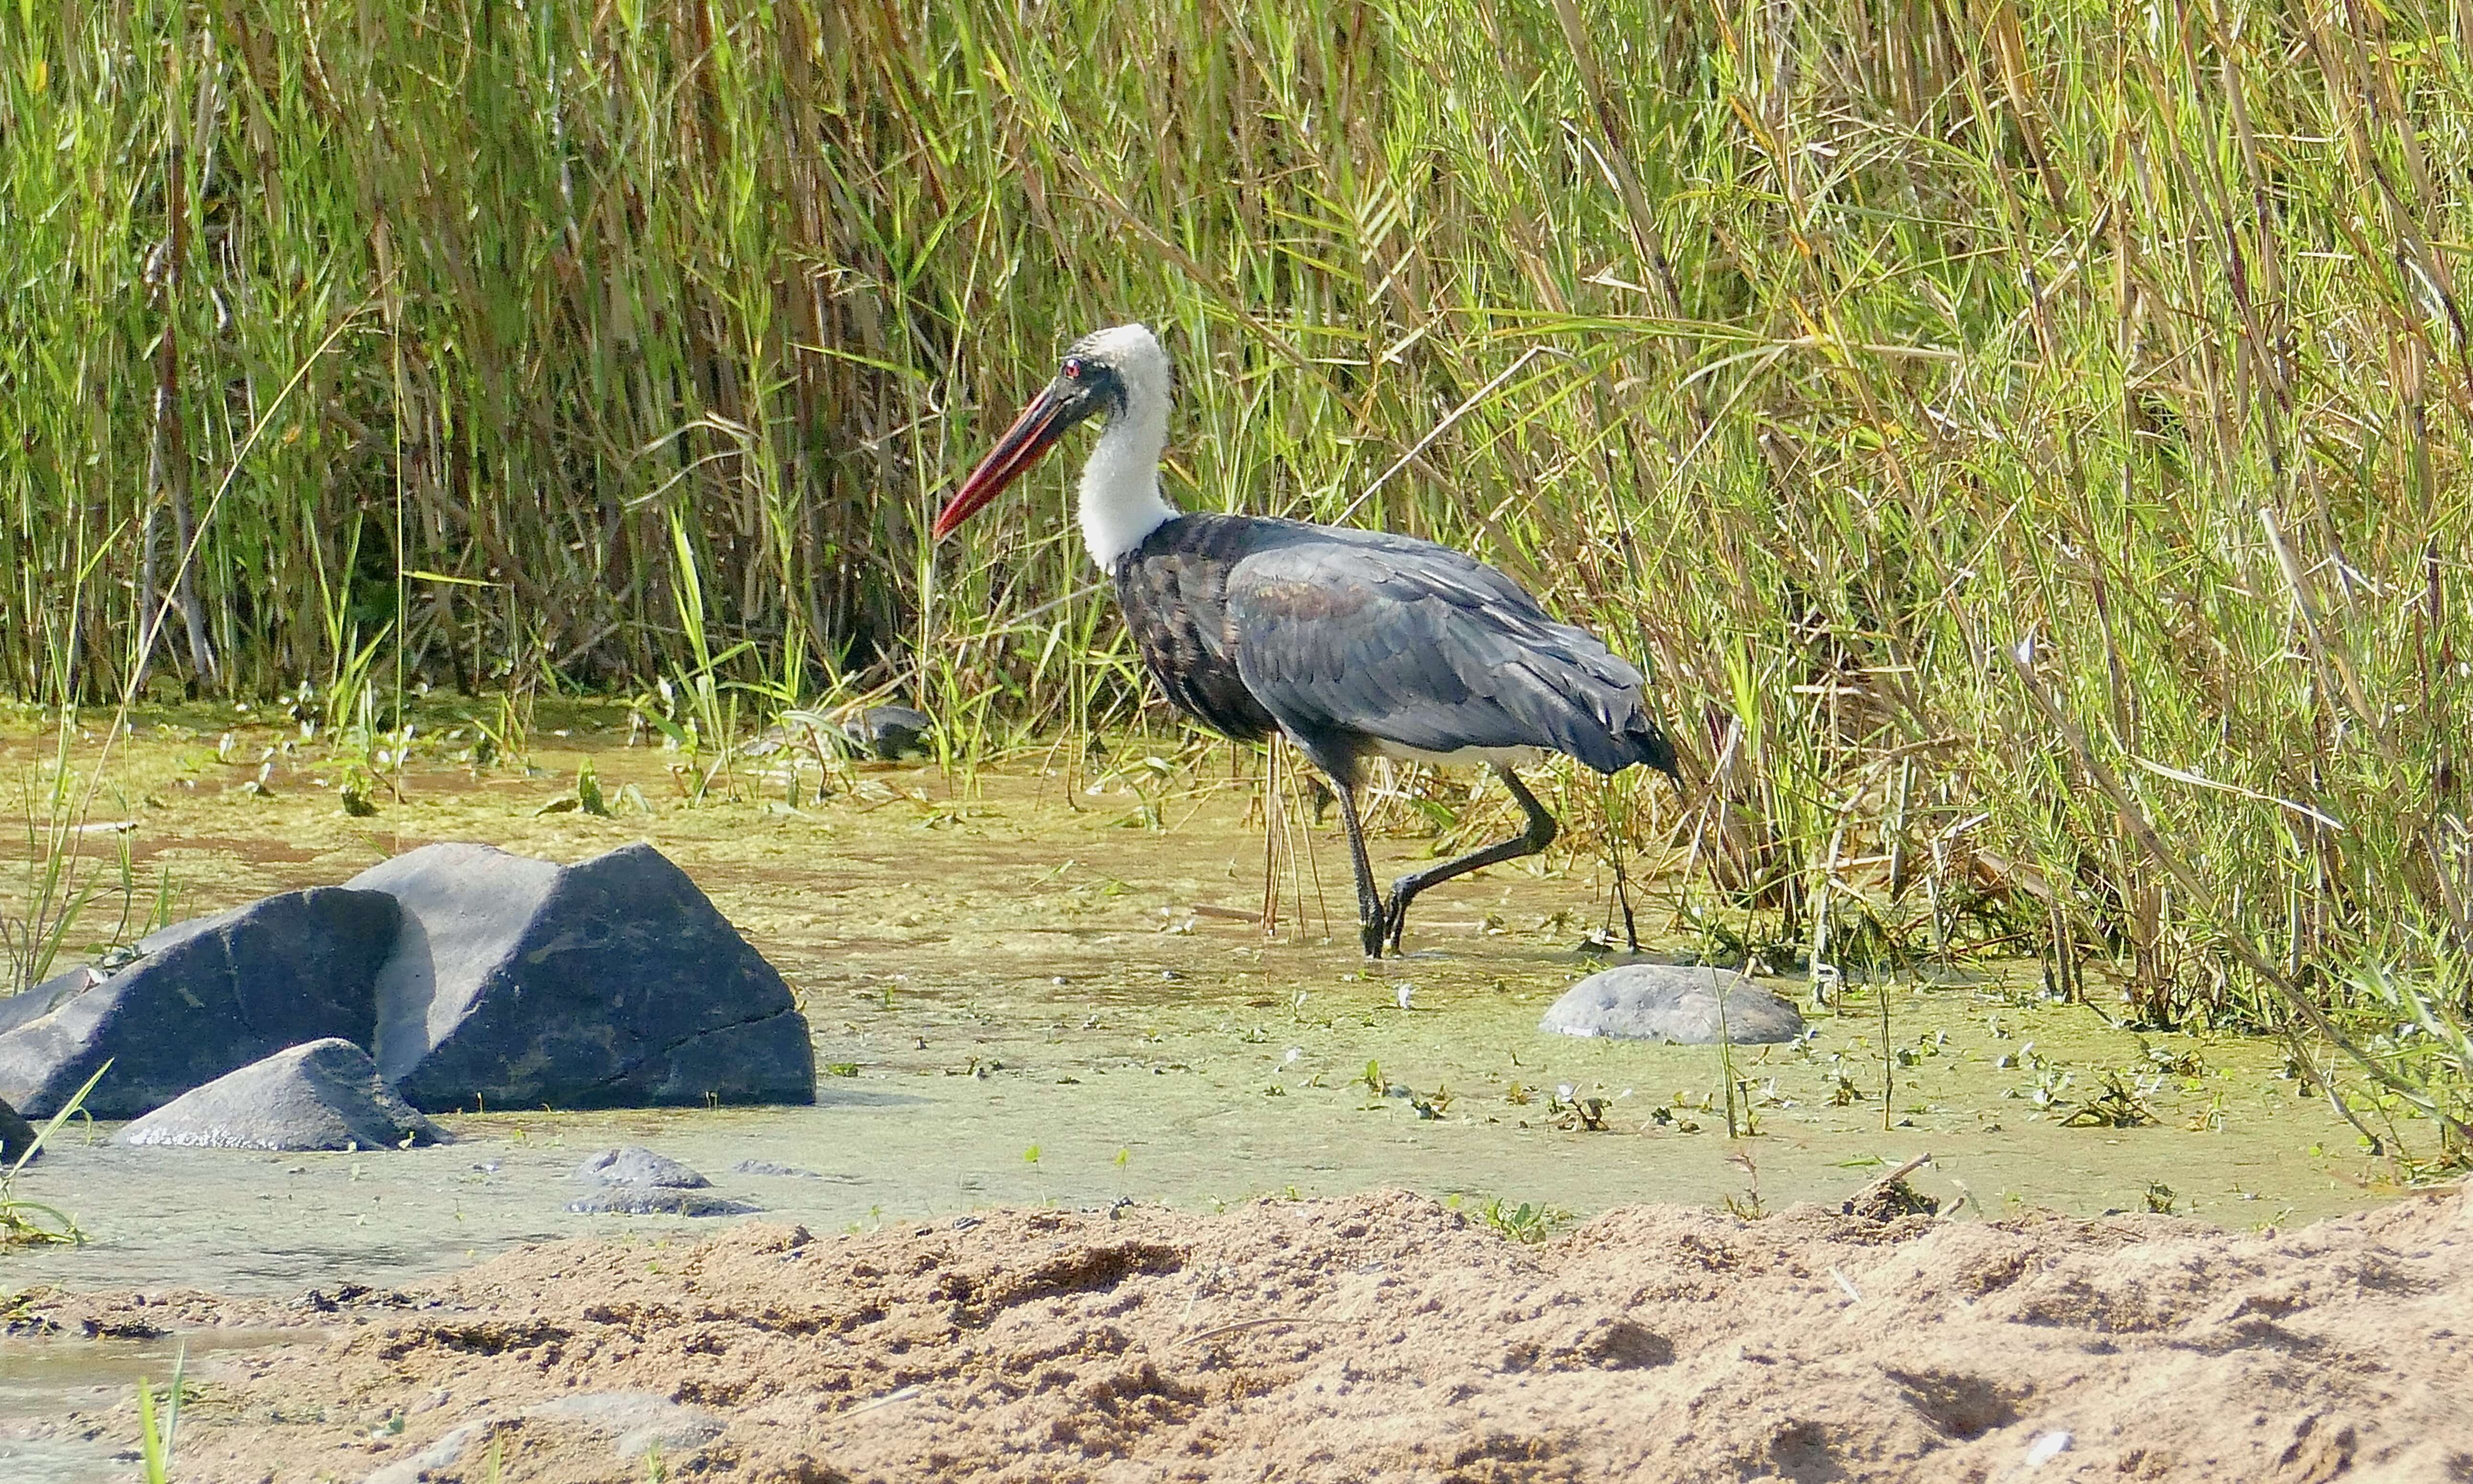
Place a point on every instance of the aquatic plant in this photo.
(158, 1430)
(22, 1220)
(1528, 1222)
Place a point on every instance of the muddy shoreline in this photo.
(1378, 1337)
(1036, 1010)
(1018, 1000)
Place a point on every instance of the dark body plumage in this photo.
(1346, 639)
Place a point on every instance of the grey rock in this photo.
(637, 1421)
(768, 1167)
(802, 736)
(657, 1201)
(208, 996)
(635, 1165)
(637, 1182)
(47, 996)
(613, 983)
(16, 1135)
(326, 1094)
(884, 732)
(1668, 1002)
(888, 732)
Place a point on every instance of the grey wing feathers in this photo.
(1419, 645)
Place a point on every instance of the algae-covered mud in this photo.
(1034, 989)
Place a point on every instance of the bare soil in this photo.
(1378, 1336)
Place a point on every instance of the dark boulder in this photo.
(16, 1135)
(888, 732)
(518, 983)
(49, 995)
(325, 1095)
(1669, 1002)
(204, 998)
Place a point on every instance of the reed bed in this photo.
(2026, 439)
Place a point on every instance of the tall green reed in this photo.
(1821, 355)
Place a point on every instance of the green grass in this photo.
(34, 1222)
(158, 1428)
(2026, 439)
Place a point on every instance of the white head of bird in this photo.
(1120, 374)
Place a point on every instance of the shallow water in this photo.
(1193, 1098)
(1028, 1008)
(43, 1380)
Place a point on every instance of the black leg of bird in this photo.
(1538, 834)
(1369, 901)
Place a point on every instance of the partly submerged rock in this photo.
(636, 1165)
(657, 1201)
(888, 732)
(884, 732)
(326, 1094)
(612, 983)
(1669, 1002)
(202, 998)
(16, 1135)
(771, 1168)
(637, 1182)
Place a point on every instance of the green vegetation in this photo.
(2026, 439)
(158, 1430)
(1526, 1222)
(22, 1220)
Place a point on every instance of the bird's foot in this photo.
(1395, 918)
(1373, 931)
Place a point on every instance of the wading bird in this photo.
(1349, 643)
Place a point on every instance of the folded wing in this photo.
(1341, 631)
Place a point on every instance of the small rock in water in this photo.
(1671, 1003)
(889, 730)
(657, 1201)
(326, 1094)
(768, 1167)
(635, 1165)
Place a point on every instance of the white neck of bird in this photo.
(1121, 491)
